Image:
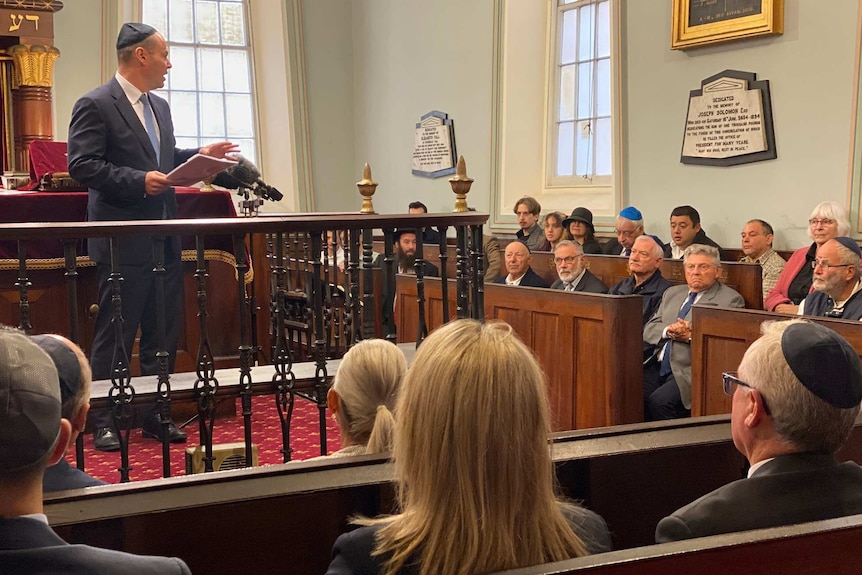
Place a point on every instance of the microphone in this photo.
(245, 175)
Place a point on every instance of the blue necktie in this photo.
(683, 311)
(628, 252)
(150, 124)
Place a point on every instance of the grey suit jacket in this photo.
(30, 546)
(790, 489)
(109, 152)
(680, 358)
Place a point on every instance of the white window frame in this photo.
(609, 187)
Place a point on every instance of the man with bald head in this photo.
(795, 401)
(836, 281)
(517, 260)
(75, 377)
(572, 270)
(646, 279)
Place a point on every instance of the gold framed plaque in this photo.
(702, 22)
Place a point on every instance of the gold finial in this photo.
(461, 185)
(366, 186)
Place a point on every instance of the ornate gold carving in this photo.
(34, 65)
(366, 186)
(42, 5)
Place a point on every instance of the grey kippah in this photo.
(133, 33)
(824, 362)
(29, 402)
(850, 244)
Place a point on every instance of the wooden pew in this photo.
(719, 340)
(588, 344)
(830, 546)
(285, 518)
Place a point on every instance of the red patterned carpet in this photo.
(145, 455)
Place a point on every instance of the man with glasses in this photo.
(572, 271)
(836, 281)
(667, 374)
(630, 226)
(795, 400)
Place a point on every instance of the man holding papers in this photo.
(121, 146)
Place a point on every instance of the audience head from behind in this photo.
(473, 466)
(527, 209)
(828, 220)
(517, 259)
(757, 236)
(363, 394)
(630, 226)
(836, 274)
(684, 225)
(795, 400)
(702, 267)
(569, 260)
(646, 257)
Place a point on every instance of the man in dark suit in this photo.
(517, 259)
(685, 230)
(121, 146)
(33, 435)
(573, 274)
(667, 381)
(646, 279)
(795, 400)
(429, 235)
(405, 254)
(73, 371)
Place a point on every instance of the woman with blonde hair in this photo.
(473, 466)
(363, 395)
(552, 223)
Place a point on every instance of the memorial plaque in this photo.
(434, 146)
(729, 121)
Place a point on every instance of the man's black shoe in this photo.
(152, 429)
(104, 439)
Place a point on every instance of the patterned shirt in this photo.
(772, 265)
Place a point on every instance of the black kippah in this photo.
(66, 362)
(133, 33)
(824, 362)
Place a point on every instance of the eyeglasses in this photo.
(567, 259)
(826, 265)
(731, 381)
(823, 221)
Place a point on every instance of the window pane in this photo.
(232, 24)
(239, 121)
(184, 111)
(156, 13)
(584, 146)
(210, 70)
(236, 72)
(567, 92)
(212, 115)
(603, 147)
(206, 22)
(246, 147)
(603, 87)
(565, 149)
(569, 36)
(188, 143)
(585, 90)
(604, 30)
(587, 32)
(184, 66)
(181, 29)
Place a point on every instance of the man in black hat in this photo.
(836, 281)
(75, 379)
(405, 254)
(33, 435)
(121, 146)
(795, 400)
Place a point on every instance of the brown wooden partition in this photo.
(720, 338)
(588, 344)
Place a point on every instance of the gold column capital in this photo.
(34, 64)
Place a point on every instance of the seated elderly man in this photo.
(33, 435)
(795, 400)
(667, 382)
(75, 376)
(517, 260)
(836, 281)
(573, 274)
(757, 246)
(646, 279)
(630, 226)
